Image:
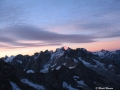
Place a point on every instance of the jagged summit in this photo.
(66, 68)
(65, 47)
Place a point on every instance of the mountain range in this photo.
(63, 69)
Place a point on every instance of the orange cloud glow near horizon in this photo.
(95, 46)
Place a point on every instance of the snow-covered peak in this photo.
(9, 59)
(99, 53)
(104, 53)
(29, 71)
(59, 50)
(58, 53)
(65, 47)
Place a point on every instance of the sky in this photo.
(29, 26)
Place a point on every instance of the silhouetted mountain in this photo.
(64, 69)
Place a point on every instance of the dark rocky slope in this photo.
(63, 70)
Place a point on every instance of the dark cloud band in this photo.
(13, 34)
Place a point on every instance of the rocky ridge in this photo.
(64, 69)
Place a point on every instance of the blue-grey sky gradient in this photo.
(55, 22)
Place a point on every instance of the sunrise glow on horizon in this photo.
(31, 26)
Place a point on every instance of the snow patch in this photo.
(99, 53)
(9, 59)
(76, 77)
(57, 68)
(64, 64)
(110, 66)
(36, 86)
(76, 61)
(71, 67)
(53, 65)
(58, 53)
(95, 66)
(65, 85)
(14, 86)
(81, 82)
(45, 68)
(84, 62)
(35, 57)
(19, 61)
(99, 64)
(29, 71)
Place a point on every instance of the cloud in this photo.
(13, 35)
(112, 34)
(95, 25)
(11, 13)
(101, 29)
(101, 18)
(25, 45)
(32, 33)
(114, 6)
